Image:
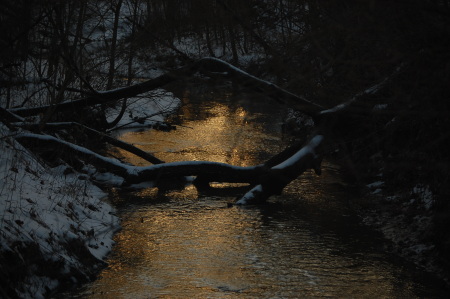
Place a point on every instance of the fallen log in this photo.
(100, 136)
(205, 65)
(217, 172)
(270, 180)
(69, 149)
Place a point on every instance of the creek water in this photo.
(182, 243)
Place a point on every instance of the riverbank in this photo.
(398, 194)
(408, 226)
(56, 228)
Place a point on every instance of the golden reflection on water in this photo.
(184, 252)
(202, 249)
(226, 136)
(192, 246)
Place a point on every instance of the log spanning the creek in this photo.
(216, 172)
(267, 180)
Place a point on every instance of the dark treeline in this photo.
(322, 49)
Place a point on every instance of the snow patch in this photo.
(379, 107)
(307, 149)
(250, 195)
(376, 187)
(375, 184)
(425, 196)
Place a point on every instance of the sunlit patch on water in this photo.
(203, 249)
(185, 243)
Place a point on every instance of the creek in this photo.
(178, 242)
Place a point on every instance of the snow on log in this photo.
(65, 147)
(352, 104)
(113, 141)
(101, 97)
(270, 180)
(216, 172)
(9, 116)
(273, 182)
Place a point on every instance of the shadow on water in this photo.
(181, 242)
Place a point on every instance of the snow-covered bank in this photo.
(147, 110)
(54, 227)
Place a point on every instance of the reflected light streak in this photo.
(189, 247)
(223, 137)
